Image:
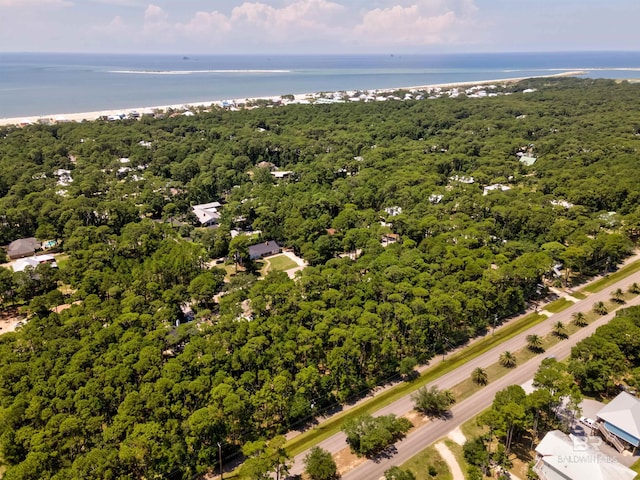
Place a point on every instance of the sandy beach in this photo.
(90, 116)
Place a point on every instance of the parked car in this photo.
(589, 422)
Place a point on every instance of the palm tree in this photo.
(507, 359)
(479, 376)
(634, 288)
(617, 296)
(559, 330)
(600, 308)
(579, 319)
(534, 343)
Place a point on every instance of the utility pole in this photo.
(220, 458)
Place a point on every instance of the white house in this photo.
(207, 213)
(497, 186)
(22, 263)
(619, 422)
(567, 457)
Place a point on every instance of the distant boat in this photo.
(185, 58)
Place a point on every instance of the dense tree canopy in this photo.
(119, 386)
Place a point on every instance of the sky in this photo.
(317, 26)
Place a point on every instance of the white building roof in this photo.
(22, 263)
(497, 186)
(578, 460)
(207, 212)
(623, 412)
(281, 173)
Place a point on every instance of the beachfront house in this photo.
(566, 457)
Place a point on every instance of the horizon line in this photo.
(281, 54)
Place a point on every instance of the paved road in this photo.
(427, 434)
(469, 408)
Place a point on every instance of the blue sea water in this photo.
(50, 83)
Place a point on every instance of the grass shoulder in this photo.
(450, 363)
(612, 278)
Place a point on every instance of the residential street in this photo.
(429, 433)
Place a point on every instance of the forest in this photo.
(123, 383)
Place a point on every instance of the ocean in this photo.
(45, 84)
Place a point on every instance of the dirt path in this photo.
(450, 460)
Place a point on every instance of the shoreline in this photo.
(95, 115)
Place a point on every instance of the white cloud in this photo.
(206, 24)
(318, 25)
(155, 14)
(423, 23)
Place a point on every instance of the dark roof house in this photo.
(264, 249)
(23, 247)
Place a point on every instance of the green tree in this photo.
(534, 343)
(239, 250)
(579, 319)
(600, 308)
(396, 473)
(367, 435)
(265, 458)
(559, 330)
(320, 465)
(479, 376)
(617, 296)
(507, 359)
(433, 401)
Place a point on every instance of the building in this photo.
(566, 457)
(264, 250)
(280, 174)
(393, 211)
(389, 238)
(207, 213)
(23, 247)
(619, 422)
(496, 186)
(527, 160)
(21, 264)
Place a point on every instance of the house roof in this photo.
(528, 160)
(623, 412)
(23, 247)
(207, 212)
(265, 248)
(21, 264)
(577, 460)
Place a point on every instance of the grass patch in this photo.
(612, 278)
(332, 426)
(558, 305)
(280, 263)
(579, 295)
(420, 463)
(636, 466)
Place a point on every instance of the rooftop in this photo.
(623, 412)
